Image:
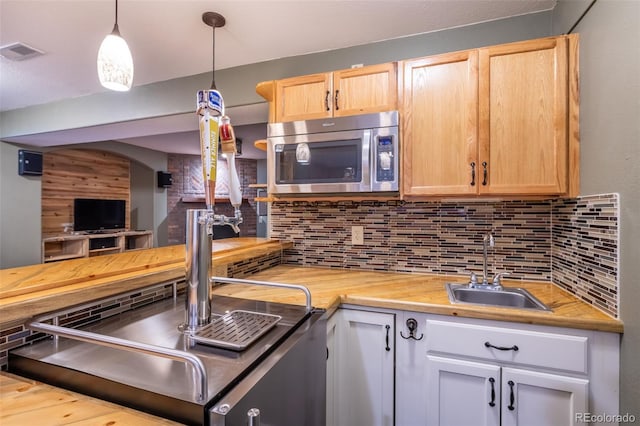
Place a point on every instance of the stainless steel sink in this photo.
(508, 297)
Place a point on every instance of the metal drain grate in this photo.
(236, 330)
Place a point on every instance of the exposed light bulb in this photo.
(115, 63)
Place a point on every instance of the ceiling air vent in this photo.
(19, 52)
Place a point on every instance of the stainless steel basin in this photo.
(508, 297)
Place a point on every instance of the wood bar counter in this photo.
(36, 289)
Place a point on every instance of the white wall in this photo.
(610, 147)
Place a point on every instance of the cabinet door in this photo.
(365, 90)
(303, 98)
(531, 398)
(411, 370)
(440, 108)
(462, 393)
(366, 372)
(523, 92)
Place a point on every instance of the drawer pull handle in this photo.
(511, 396)
(501, 348)
(388, 327)
(326, 100)
(337, 107)
(492, 403)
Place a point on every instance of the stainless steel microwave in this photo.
(334, 155)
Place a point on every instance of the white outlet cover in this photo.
(357, 235)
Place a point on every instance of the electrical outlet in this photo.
(357, 235)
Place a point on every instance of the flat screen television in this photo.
(91, 214)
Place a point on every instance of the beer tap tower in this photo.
(214, 125)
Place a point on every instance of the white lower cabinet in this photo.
(471, 393)
(462, 393)
(468, 372)
(533, 398)
(360, 377)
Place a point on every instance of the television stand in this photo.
(102, 231)
(96, 243)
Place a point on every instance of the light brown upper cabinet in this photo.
(440, 124)
(501, 120)
(340, 93)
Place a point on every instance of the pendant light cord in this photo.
(116, 30)
(213, 20)
(213, 59)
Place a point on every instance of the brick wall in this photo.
(186, 171)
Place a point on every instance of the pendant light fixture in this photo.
(115, 64)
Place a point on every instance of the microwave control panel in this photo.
(384, 159)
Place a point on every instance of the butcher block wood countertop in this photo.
(419, 293)
(36, 289)
(28, 402)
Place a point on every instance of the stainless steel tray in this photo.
(236, 330)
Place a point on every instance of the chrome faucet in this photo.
(486, 240)
(496, 284)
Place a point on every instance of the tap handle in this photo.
(473, 279)
(235, 190)
(498, 278)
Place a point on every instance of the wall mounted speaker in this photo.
(164, 179)
(29, 163)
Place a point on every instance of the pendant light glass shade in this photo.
(115, 63)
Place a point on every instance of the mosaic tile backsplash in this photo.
(571, 242)
(436, 237)
(585, 249)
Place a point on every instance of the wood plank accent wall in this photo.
(80, 173)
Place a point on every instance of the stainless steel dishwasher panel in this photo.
(289, 387)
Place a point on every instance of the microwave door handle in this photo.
(368, 156)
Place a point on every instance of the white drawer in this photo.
(548, 350)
